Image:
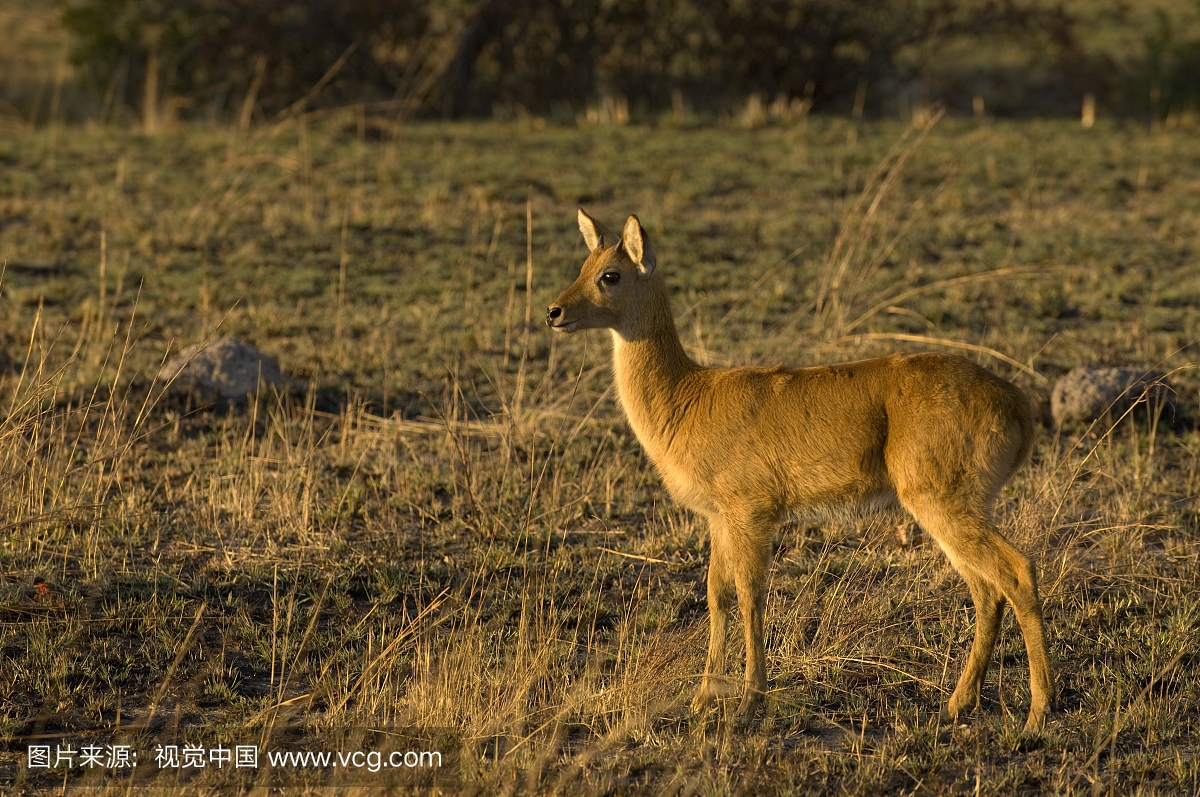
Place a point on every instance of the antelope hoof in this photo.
(959, 706)
(748, 708)
(950, 714)
(710, 691)
(1036, 720)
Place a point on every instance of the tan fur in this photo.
(936, 434)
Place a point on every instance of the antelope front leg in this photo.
(720, 598)
(752, 598)
(749, 554)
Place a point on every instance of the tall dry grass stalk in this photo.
(863, 241)
(850, 293)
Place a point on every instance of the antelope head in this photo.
(612, 281)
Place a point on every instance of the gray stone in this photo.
(1086, 394)
(224, 368)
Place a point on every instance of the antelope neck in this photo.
(650, 364)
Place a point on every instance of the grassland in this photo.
(451, 526)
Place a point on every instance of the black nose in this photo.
(553, 314)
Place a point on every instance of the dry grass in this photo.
(453, 526)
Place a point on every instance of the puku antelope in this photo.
(936, 434)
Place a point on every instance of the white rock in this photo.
(1087, 393)
(225, 368)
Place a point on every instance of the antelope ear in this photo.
(637, 245)
(595, 234)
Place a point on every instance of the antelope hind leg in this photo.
(989, 610)
(991, 564)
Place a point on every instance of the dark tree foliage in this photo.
(464, 57)
(209, 51)
(713, 52)
(1170, 76)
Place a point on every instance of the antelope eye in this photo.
(611, 277)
